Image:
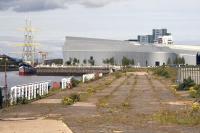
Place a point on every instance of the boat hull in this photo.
(26, 70)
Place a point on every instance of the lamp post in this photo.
(5, 78)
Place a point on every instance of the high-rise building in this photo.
(145, 39)
(159, 32)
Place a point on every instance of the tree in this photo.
(176, 61)
(132, 62)
(85, 61)
(169, 61)
(91, 61)
(69, 62)
(179, 60)
(146, 63)
(75, 61)
(106, 61)
(110, 61)
(125, 61)
(183, 60)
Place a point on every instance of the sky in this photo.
(108, 19)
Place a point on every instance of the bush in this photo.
(161, 71)
(21, 100)
(67, 101)
(75, 82)
(195, 107)
(25, 101)
(192, 92)
(195, 91)
(187, 83)
(75, 97)
(38, 96)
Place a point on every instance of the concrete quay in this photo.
(71, 70)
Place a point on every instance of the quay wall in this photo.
(68, 71)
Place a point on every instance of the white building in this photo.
(165, 40)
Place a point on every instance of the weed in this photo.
(125, 104)
(67, 101)
(182, 118)
(91, 90)
(196, 107)
(75, 97)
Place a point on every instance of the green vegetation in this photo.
(67, 101)
(73, 98)
(195, 91)
(187, 83)
(72, 61)
(84, 61)
(179, 61)
(103, 102)
(75, 82)
(165, 71)
(91, 61)
(69, 62)
(21, 100)
(75, 61)
(125, 104)
(169, 62)
(126, 62)
(162, 71)
(91, 90)
(196, 107)
(182, 118)
(109, 61)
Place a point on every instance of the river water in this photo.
(13, 79)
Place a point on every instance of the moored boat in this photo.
(26, 69)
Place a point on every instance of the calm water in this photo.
(14, 79)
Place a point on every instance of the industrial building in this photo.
(84, 49)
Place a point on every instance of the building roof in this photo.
(93, 44)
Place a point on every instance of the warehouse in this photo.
(101, 49)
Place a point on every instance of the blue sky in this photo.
(111, 19)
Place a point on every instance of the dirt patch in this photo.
(48, 101)
(34, 126)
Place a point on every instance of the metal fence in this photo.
(189, 71)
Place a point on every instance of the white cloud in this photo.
(40, 5)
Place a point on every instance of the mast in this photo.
(28, 53)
